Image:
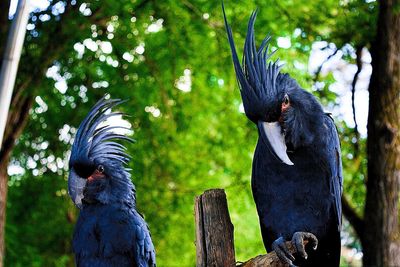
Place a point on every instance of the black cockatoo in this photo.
(109, 231)
(297, 171)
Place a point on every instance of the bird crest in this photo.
(94, 143)
(258, 79)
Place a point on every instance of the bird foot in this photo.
(298, 240)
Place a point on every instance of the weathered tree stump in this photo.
(214, 230)
(214, 235)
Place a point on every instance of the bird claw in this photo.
(298, 241)
(283, 252)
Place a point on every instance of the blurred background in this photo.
(171, 60)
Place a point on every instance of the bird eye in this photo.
(286, 99)
(100, 168)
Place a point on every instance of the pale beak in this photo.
(272, 133)
(76, 185)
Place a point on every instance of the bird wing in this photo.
(144, 249)
(335, 165)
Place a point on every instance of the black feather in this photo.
(256, 77)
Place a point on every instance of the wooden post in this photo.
(214, 235)
(214, 230)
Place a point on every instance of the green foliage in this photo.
(187, 142)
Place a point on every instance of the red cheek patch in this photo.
(95, 175)
(284, 108)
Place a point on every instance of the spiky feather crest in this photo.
(93, 142)
(99, 145)
(258, 80)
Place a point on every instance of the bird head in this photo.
(284, 113)
(96, 164)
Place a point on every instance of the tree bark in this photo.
(214, 230)
(270, 259)
(381, 233)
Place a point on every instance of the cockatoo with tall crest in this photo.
(297, 170)
(109, 231)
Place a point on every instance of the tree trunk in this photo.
(16, 122)
(381, 232)
(4, 157)
(3, 197)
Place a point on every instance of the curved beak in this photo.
(76, 185)
(271, 132)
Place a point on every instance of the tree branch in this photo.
(271, 258)
(353, 217)
(318, 71)
(16, 123)
(353, 93)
